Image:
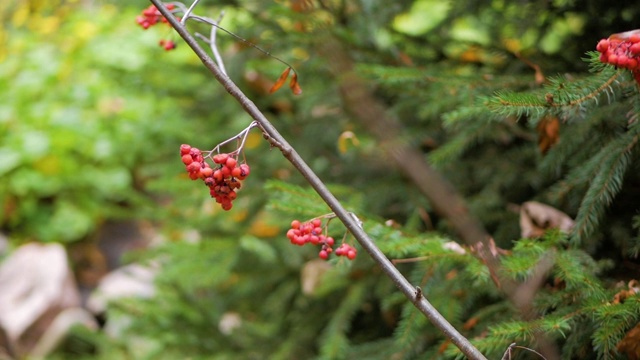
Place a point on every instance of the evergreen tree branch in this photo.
(276, 140)
(446, 201)
(611, 164)
(560, 96)
(361, 102)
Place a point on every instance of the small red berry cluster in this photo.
(223, 179)
(151, 16)
(312, 232)
(621, 50)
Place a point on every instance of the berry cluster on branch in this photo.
(313, 232)
(151, 16)
(622, 50)
(223, 179)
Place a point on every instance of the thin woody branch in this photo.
(347, 219)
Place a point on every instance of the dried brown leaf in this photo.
(295, 87)
(548, 133)
(630, 344)
(622, 295)
(281, 80)
(471, 323)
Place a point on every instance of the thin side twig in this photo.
(420, 302)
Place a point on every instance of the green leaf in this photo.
(9, 160)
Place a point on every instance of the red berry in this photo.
(226, 206)
(206, 172)
(245, 170)
(351, 254)
(603, 45)
(226, 172)
(195, 151)
(323, 254)
(217, 175)
(329, 241)
(168, 45)
(220, 158)
(194, 166)
(622, 61)
(185, 149)
(231, 162)
(150, 11)
(295, 224)
(187, 159)
(236, 172)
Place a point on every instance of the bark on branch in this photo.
(409, 290)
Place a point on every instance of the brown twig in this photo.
(350, 223)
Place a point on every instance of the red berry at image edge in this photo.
(622, 50)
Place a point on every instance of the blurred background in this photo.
(108, 250)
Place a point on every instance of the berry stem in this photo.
(242, 135)
(328, 216)
(187, 14)
(352, 224)
(211, 40)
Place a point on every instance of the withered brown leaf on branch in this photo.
(548, 133)
(293, 84)
(281, 80)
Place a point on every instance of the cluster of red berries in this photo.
(151, 16)
(312, 232)
(223, 179)
(621, 50)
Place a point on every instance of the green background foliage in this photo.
(93, 111)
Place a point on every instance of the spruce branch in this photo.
(610, 163)
(276, 139)
(359, 100)
(560, 96)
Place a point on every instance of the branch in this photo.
(350, 223)
(360, 101)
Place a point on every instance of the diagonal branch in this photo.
(360, 101)
(350, 223)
